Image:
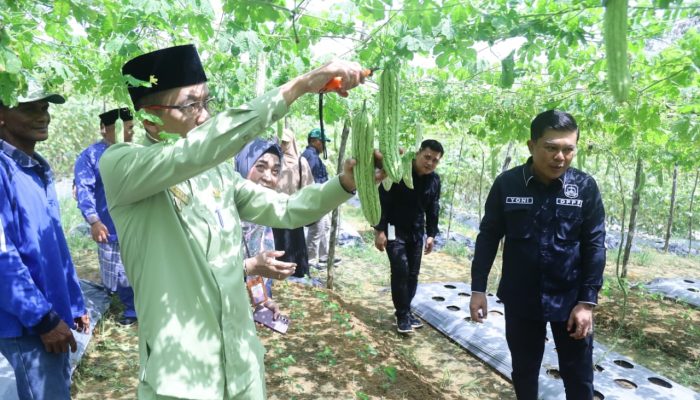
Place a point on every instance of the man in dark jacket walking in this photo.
(406, 215)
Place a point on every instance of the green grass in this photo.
(71, 218)
(646, 257)
(351, 213)
(456, 249)
(366, 252)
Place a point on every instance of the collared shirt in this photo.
(412, 211)
(178, 208)
(318, 170)
(554, 251)
(90, 190)
(36, 271)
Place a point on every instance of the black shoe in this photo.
(318, 266)
(127, 321)
(415, 321)
(403, 325)
(336, 260)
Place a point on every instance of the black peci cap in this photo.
(125, 114)
(171, 67)
(109, 117)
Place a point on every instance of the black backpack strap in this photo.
(301, 178)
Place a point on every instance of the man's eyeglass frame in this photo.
(195, 106)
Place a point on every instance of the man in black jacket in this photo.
(553, 220)
(406, 215)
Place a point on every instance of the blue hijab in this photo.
(247, 157)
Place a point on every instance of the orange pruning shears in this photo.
(337, 82)
(333, 85)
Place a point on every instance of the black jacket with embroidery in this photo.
(554, 251)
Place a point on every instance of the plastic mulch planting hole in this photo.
(496, 312)
(624, 364)
(660, 382)
(490, 294)
(438, 298)
(453, 308)
(554, 373)
(688, 281)
(451, 286)
(463, 294)
(624, 383)
(616, 376)
(499, 302)
(692, 289)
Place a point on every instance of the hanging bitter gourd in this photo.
(419, 134)
(408, 157)
(508, 71)
(407, 168)
(389, 123)
(363, 151)
(615, 35)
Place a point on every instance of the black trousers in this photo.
(293, 242)
(526, 340)
(404, 258)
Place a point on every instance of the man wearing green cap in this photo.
(177, 207)
(40, 297)
(318, 234)
(90, 194)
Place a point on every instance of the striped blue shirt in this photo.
(90, 190)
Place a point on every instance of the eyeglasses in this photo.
(552, 149)
(190, 109)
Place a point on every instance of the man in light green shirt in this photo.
(178, 207)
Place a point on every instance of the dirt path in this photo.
(363, 282)
(351, 337)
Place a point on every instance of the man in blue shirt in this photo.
(318, 234)
(553, 220)
(40, 297)
(92, 204)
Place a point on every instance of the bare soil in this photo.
(342, 344)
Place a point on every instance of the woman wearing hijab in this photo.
(260, 163)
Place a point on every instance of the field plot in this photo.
(342, 344)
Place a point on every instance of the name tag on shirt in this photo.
(519, 200)
(391, 232)
(569, 202)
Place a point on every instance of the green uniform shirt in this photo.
(177, 209)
